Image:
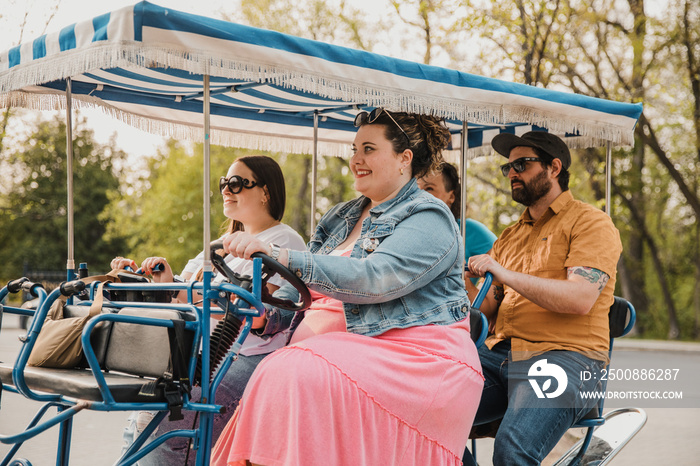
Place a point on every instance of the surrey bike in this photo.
(142, 355)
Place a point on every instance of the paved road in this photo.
(669, 437)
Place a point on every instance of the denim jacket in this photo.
(404, 270)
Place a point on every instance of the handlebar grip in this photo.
(30, 287)
(15, 286)
(72, 287)
(156, 268)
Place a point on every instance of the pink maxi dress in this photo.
(405, 397)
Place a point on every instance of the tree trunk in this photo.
(696, 293)
(693, 71)
(631, 275)
(694, 75)
(634, 256)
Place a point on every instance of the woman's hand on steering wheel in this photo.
(244, 245)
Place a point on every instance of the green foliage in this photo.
(33, 206)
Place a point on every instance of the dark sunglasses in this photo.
(518, 165)
(235, 184)
(371, 117)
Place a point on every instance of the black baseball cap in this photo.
(547, 142)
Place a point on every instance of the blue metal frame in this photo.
(68, 407)
(476, 306)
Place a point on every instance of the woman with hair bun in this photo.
(381, 368)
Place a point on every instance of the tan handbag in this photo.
(58, 344)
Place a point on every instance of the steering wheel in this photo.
(270, 268)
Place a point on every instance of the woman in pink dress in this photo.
(381, 370)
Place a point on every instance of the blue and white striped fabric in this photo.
(144, 64)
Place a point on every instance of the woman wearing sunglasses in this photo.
(254, 199)
(381, 368)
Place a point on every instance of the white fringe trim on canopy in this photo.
(225, 137)
(100, 55)
(178, 131)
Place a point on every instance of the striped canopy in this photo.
(145, 65)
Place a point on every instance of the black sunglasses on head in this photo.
(370, 117)
(518, 165)
(235, 184)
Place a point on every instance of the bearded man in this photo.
(554, 276)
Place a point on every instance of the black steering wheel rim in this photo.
(270, 268)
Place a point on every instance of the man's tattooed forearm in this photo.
(498, 293)
(594, 276)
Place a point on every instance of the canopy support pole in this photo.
(608, 177)
(206, 263)
(314, 175)
(206, 420)
(70, 264)
(206, 266)
(464, 146)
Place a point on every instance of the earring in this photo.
(401, 170)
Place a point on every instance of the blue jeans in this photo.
(174, 451)
(530, 426)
